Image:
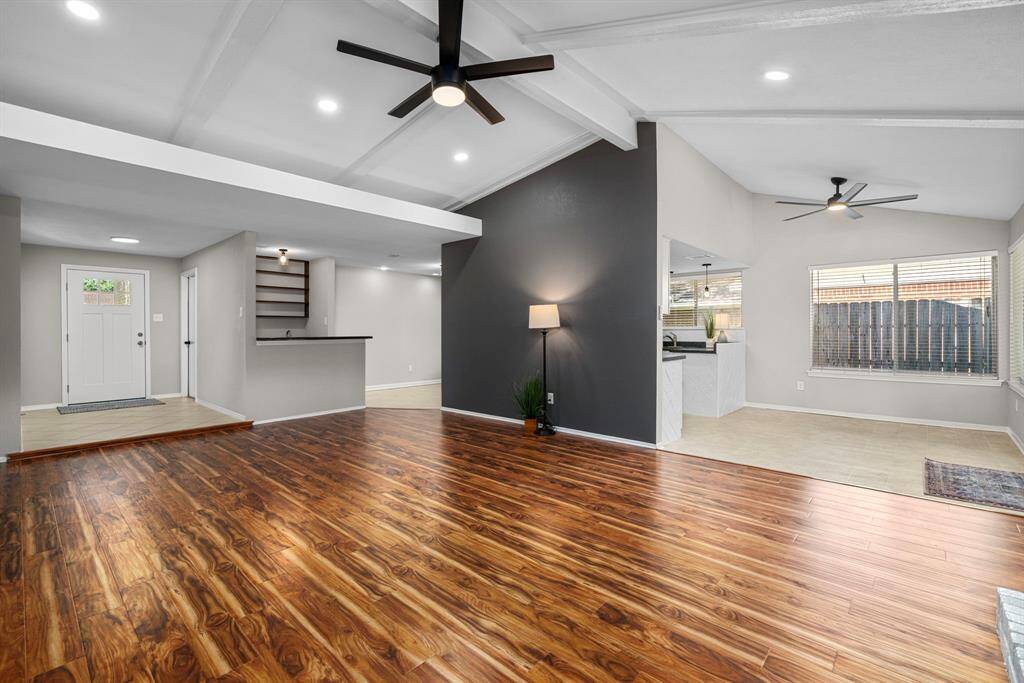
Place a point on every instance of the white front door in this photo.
(106, 342)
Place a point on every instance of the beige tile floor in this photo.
(48, 428)
(888, 456)
(426, 396)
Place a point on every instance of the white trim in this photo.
(888, 376)
(39, 406)
(183, 333)
(316, 414)
(176, 394)
(1015, 387)
(1015, 439)
(879, 418)
(564, 430)
(851, 117)
(402, 385)
(988, 253)
(64, 358)
(1016, 243)
(221, 409)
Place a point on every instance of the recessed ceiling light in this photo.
(461, 156)
(124, 240)
(384, 268)
(327, 106)
(82, 10)
(776, 76)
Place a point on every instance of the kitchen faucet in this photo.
(671, 336)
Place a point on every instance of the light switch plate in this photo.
(799, 386)
(158, 317)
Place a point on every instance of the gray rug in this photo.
(107, 405)
(974, 484)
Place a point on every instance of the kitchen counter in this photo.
(714, 384)
(281, 341)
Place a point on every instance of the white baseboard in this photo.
(176, 394)
(299, 417)
(880, 418)
(39, 406)
(564, 430)
(221, 409)
(1016, 440)
(402, 385)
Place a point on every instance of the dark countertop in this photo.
(303, 338)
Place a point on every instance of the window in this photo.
(934, 316)
(688, 303)
(103, 292)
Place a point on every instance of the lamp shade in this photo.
(544, 316)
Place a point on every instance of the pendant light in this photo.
(283, 258)
(707, 279)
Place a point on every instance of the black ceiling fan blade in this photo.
(885, 200)
(482, 106)
(509, 67)
(382, 57)
(802, 215)
(853, 213)
(801, 203)
(852, 192)
(411, 102)
(449, 31)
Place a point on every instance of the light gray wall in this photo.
(10, 332)
(224, 276)
(322, 306)
(403, 314)
(776, 309)
(40, 317)
(1014, 402)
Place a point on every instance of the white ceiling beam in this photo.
(908, 119)
(561, 90)
(243, 25)
(757, 15)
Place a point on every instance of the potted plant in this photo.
(529, 398)
(710, 331)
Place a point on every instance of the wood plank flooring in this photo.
(387, 545)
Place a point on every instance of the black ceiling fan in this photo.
(449, 82)
(844, 201)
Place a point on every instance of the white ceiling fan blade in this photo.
(852, 192)
(852, 213)
(884, 200)
(802, 215)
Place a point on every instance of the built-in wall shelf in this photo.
(274, 282)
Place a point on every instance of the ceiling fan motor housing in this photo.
(448, 75)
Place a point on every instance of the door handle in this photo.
(188, 343)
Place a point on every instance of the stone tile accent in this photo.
(1010, 625)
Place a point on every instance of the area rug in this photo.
(108, 405)
(974, 484)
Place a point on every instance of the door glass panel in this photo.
(106, 292)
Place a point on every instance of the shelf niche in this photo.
(280, 293)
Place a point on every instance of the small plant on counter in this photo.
(710, 331)
(529, 398)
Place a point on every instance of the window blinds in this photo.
(911, 316)
(688, 303)
(1017, 315)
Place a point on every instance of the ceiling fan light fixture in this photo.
(837, 206)
(449, 95)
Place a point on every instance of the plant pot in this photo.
(710, 342)
(530, 425)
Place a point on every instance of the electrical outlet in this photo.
(551, 398)
(799, 386)
(158, 317)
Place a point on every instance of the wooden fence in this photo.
(930, 336)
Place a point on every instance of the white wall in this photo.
(403, 314)
(776, 309)
(10, 335)
(40, 317)
(1014, 402)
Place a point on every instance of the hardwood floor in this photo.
(417, 545)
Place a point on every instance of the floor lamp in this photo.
(544, 317)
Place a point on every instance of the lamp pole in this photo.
(544, 427)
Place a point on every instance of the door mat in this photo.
(974, 484)
(107, 405)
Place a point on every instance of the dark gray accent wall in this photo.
(10, 331)
(581, 233)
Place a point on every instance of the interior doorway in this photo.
(189, 333)
(105, 334)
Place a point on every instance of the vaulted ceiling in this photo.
(921, 96)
